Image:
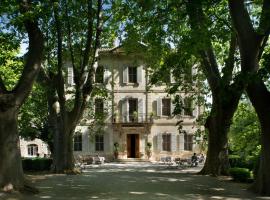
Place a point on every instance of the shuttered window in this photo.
(188, 106)
(133, 109)
(99, 142)
(166, 107)
(188, 142)
(166, 142)
(132, 74)
(78, 142)
(32, 149)
(99, 106)
(99, 76)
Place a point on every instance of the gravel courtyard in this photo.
(134, 181)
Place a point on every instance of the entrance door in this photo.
(133, 146)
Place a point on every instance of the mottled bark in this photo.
(11, 172)
(252, 43)
(217, 125)
(225, 94)
(260, 98)
(63, 121)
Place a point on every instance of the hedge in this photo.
(241, 174)
(240, 162)
(36, 164)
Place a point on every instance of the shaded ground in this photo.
(135, 181)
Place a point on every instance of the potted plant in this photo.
(152, 115)
(135, 116)
(148, 149)
(116, 150)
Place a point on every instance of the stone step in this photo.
(132, 160)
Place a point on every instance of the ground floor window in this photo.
(99, 142)
(32, 149)
(188, 142)
(78, 142)
(166, 142)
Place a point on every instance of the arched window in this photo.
(32, 149)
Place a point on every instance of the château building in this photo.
(136, 114)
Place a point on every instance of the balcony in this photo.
(133, 119)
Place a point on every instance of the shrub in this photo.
(249, 162)
(240, 174)
(36, 164)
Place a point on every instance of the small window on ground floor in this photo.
(166, 142)
(99, 142)
(188, 142)
(32, 149)
(78, 142)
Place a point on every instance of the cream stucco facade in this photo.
(137, 114)
(33, 148)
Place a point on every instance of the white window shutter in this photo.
(194, 71)
(139, 74)
(125, 74)
(172, 107)
(141, 110)
(107, 74)
(159, 107)
(124, 110)
(159, 142)
(181, 142)
(70, 75)
(172, 77)
(173, 143)
(195, 111)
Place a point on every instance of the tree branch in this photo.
(264, 26)
(88, 45)
(229, 65)
(206, 52)
(3, 88)
(60, 78)
(70, 43)
(33, 59)
(88, 85)
(242, 24)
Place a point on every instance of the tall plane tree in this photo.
(178, 31)
(77, 28)
(11, 173)
(252, 42)
(225, 88)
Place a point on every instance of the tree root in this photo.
(74, 171)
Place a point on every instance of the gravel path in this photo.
(135, 181)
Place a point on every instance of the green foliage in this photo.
(36, 164)
(33, 114)
(241, 174)
(11, 64)
(244, 135)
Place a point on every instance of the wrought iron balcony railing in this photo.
(133, 118)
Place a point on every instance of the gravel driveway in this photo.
(135, 181)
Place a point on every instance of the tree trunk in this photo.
(63, 160)
(260, 98)
(62, 140)
(11, 172)
(217, 125)
(217, 162)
